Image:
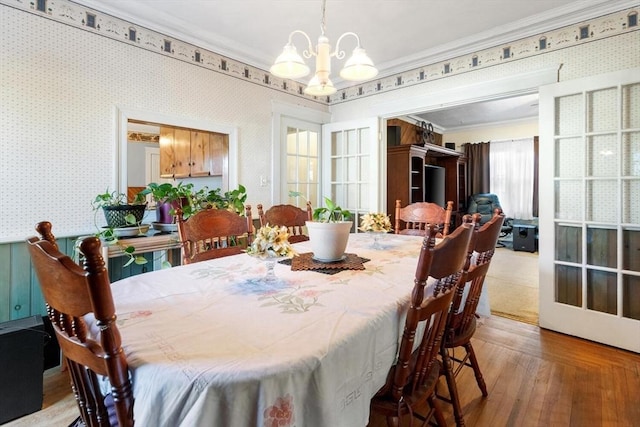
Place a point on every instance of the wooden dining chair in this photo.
(289, 216)
(214, 233)
(413, 218)
(461, 324)
(82, 313)
(411, 382)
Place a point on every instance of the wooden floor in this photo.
(534, 377)
(537, 377)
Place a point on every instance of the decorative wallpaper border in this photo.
(106, 25)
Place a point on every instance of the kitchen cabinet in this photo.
(192, 153)
(201, 154)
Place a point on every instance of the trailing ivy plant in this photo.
(107, 234)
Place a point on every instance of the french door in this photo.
(590, 215)
(351, 166)
(300, 166)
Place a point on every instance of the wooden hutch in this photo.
(408, 178)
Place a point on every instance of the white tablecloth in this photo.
(209, 344)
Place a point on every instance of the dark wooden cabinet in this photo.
(456, 182)
(405, 175)
(406, 178)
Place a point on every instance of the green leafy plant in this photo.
(167, 192)
(177, 196)
(330, 212)
(113, 198)
(196, 200)
(108, 234)
(232, 200)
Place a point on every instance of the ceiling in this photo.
(398, 34)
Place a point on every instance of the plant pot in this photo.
(116, 215)
(163, 210)
(329, 239)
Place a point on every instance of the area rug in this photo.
(512, 285)
(513, 301)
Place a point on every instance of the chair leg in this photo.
(476, 369)
(437, 412)
(451, 384)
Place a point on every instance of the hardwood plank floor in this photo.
(534, 377)
(537, 377)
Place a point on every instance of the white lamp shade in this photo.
(358, 67)
(319, 88)
(289, 64)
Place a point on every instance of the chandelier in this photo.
(290, 65)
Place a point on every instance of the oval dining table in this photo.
(214, 344)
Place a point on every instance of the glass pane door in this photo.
(301, 162)
(590, 277)
(353, 159)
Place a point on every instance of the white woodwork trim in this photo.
(518, 84)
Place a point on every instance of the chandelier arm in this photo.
(339, 54)
(308, 52)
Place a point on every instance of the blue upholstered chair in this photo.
(485, 204)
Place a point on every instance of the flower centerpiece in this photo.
(271, 242)
(375, 222)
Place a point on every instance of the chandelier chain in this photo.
(323, 22)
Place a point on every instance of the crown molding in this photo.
(559, 17)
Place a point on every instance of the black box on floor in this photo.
(21, 365)
(524, 237)
(52, 356)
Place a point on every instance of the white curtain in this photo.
(511, 165)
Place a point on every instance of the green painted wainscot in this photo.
(20, 294)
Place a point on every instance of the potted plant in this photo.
(168, 198)
(117, 211)
(118, 214)
(329, 230)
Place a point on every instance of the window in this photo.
(132, 35)
(474, 61)
(167, 46)
(632, 19)
(447, 68)
(41, 5)
(196, 56)
(511, 171)
(506, 53)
